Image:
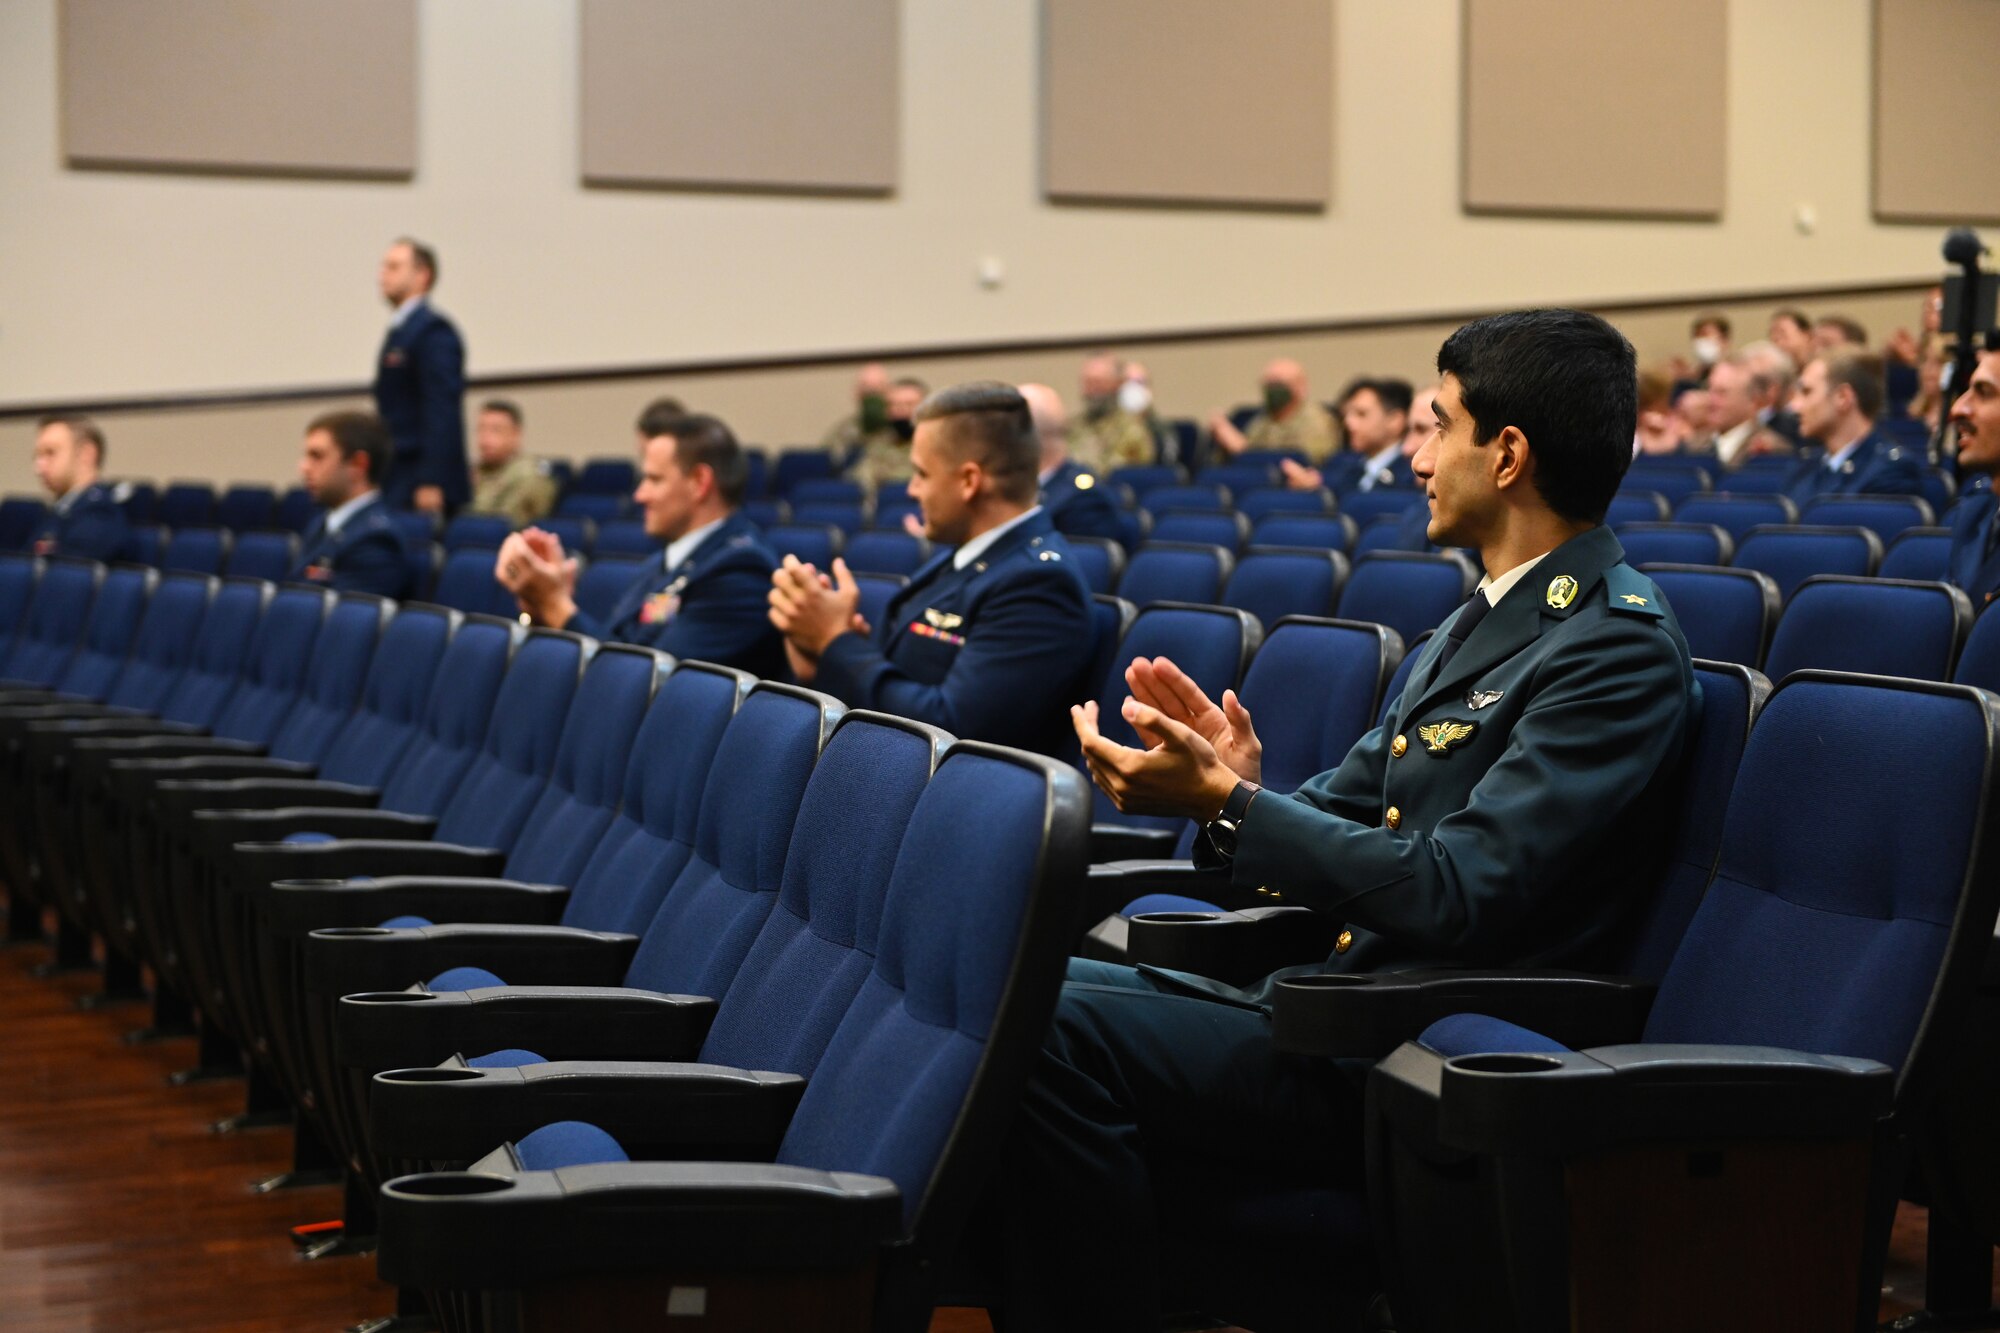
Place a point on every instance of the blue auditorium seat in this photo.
(624, 537)
(139, 499)
(20, 515)
(414, 526)
(1239, 477)
(1364, 507)
(1401, 676)
(295, 510)
(1673, 478)
(1110, 619)
(616, 477)
(885, 552)
(1145, 478)
(1175, 572)
(815, 545)
(187, 504)
(109, 630)
(1100, 560)
(1763, 475)
(578, 535)
(890, 513)
(1877, 627)
(1979, 662)
(269, 554)
(793, 466)
(1198, 497)
(1770, 1072)
(244, 508)
(1274, 582)
(195, 551)
(1675, 544)
(766, 513)
(825, 490)
(466, 583)
(1254, 505)
(1940, 489)
(1229, 531)
(1918, 553)
(52, 625)
(1727, 615)
(422, 560)
(486, 530)
(1335, 532)
(1629, 506)
(1794, 554)
(603, 581)
(1887, 516)
(18, 575)
(598, 508)
(147, 546)
(1736, 513)
(1408, 591)
(1384, 533)
(848, 516)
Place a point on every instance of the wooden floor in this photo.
(120, 1212)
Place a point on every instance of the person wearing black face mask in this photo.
(1290, 418)
(1105, 435)
(872, 447)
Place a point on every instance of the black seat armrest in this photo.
(397, 1029)
(296, 906)
(1235, 947)
(342, 960)
(1367, 1015)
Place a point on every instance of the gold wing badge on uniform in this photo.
(943, 619)
(1440, 737)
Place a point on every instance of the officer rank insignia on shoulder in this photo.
(1439, 737)
(1562, 591)
(1084, 481)
(1048, 555)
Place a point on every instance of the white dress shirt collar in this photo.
(979, 545)
(404, 311)
(1495, 589)
(336, 519)
(681, 548)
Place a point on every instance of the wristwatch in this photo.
(1222, 829)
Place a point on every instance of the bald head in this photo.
(1045, 406)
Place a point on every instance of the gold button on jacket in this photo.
(1394, 819)
(1398, 746)
(1345, 942)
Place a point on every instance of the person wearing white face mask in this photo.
(1106, 433)
(1710, 342)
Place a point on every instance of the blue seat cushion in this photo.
(1166, 902)
(405, 922)
(567, 1143)
(303, 839)
(511, 1058)
(464, 978)
(1477, 1034)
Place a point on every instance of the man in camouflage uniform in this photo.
(1105, 435)
(873, 445)
(507, 481)
(1290, 418)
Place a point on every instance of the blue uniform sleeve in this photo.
(1903, 475)
(374, 563)
(441, 410)
(1023, 657)
(585, 623)
(728, 622)
(97, 532)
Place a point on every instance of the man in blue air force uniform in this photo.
(420, 388)
(351, 545)
(84, 517)
(1077, 505)
(1975, 529)
(991, 640)
(703, 599)
(1515, 809)
(1838, 397)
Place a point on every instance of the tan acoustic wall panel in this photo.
(751, 94)
(1598, 108)
(302, 87)
(1935, 62)
(1188, 103)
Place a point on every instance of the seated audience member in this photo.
(1290, 419)
(992, 640)
(1691, 407)
(1106, 435)
(1488, 850)
(1975, 531)
(1076, 504)
(703, 598)
(1773, 372)
(1413, 528)
(84, 518)
(872, 446)
(1708, 343)
(351, 545)
(1834, 333)
(1660, 429)
(1375, 414)
(1735, 394)
(655, 418)
(1838, 398)
(1790, 331)
(506, 481)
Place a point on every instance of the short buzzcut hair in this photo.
(1565, 379)
(80, 427)
(989, 423)
(357, 433)
(426, 257)
(506, 407)
(656, 416)
(1859, 371)
(704, 441)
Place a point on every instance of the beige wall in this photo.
(114, 284)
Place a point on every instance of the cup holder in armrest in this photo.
(389, 997)
(449, 1184)
(1499, 1063)
(350, 932)
(430, 1075)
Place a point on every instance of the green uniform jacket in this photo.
(1116, 439)
(1310, 430)
(518, 489)
(1525, 830)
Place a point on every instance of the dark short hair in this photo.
(704, 440)
(657, 414)
(1794, 314)
(1850, 328)
(1395, 395)
(909, 382)
(1715, 317)
(1565, 379)
(357, 433)
(989, 423)
(80, 427)
(426, 257)
(506, 407)
(1861, 372)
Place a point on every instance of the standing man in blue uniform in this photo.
(420, 388)
(1076, 504)
(352, 546)
(1538, 742)
(1975, 529)
(992, 640)
(704, 597)
(1839, 395)
(84, 518)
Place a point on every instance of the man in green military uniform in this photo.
(1290, 419)
(1105, 435)
(1514, 809)
(507, 481)
(872, 446)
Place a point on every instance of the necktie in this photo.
(1469, 616)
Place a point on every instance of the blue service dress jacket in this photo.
(713, 606)
(92, 526)
(1078, 505)
(366, 555)
(1876, 467)
(1346, 473)
(420, 395)
(997, 651)
(1975, 559)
